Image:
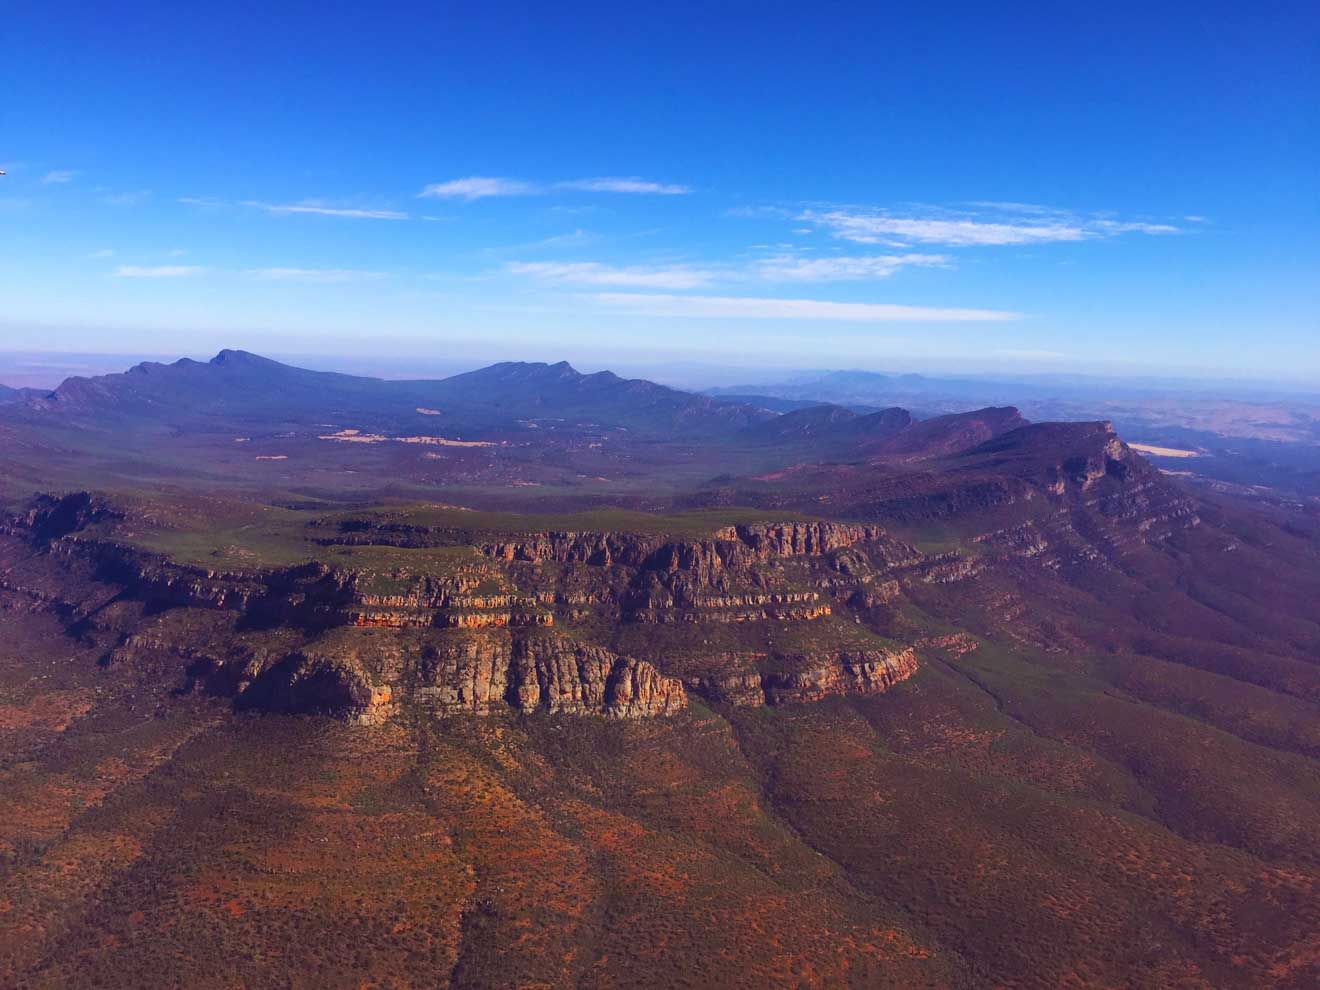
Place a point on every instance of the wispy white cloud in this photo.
(310, 206)
(782, 266)
(879, 228)
(1128, 227)
(158, 271)
(596, 273)
(178, 252)
(1194, 219)
(741, 307)
(478, 187)
(205, 202)
(573, 239)
(58, 177)
(1025, 225)
(475, 187)
(103, 253)
(1009, 207)
(759, 213)
(316, 274)
(319, 209)
(625, 185)
(795, 268)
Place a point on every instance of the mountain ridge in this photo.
(240, 383)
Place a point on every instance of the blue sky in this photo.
(1086, 188)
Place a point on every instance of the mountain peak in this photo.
(230, 357)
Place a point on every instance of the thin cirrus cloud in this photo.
(596, 273)
(1037, 226)
(1128, 227)
(478, 187)
(308, 207)
(474, 187)
(794, 268)
(318, 275)
(58, 177)
(319, 209)
(158, 271)
(784, 267)
(743, 307)
(643, 187)
(879, 228)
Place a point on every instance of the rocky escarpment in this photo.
(728, 577)
(715, 580)
(728, 546)
(478, 674)
(549, 674)
(809, 677)
(1089, 468)
(53, 516)
(584, 623)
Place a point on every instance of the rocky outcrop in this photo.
(305, 683)
(859, 672)
(732, 613)
(597, 549)
(480, 674)
(729, 546)
(54, 516)
(796, 539)
(810, 677)
(952, 645)
(542, 674)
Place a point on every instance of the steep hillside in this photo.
(836, 428)
(946, 435)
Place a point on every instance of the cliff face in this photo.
(366, 644)
(481, 674)
(811, 677)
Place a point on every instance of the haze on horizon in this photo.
(1107, 192)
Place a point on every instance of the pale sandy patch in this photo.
(354, 436)
(445, 442)
(357, 436)
(1147, 448)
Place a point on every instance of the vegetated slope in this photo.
(1101, 767)
(945, 435)
(834, 426)
(890, 435)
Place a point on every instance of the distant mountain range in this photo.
(1246, 436)
(236, 389)
(843, 415)
(240, 386)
